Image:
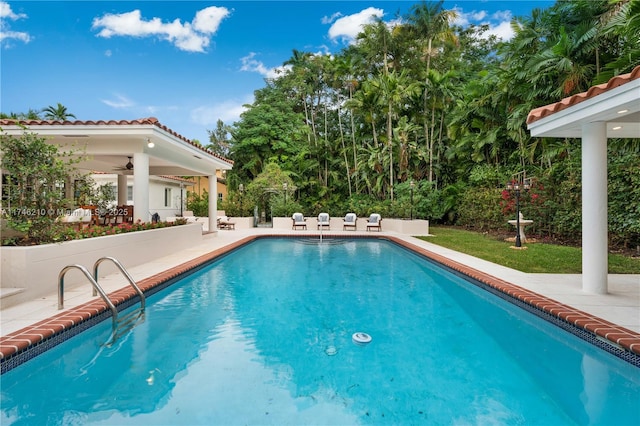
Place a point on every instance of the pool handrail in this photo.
(96, 287)
(124, 272)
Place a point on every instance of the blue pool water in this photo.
(264, 336)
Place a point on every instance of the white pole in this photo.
(594, 208)
(213, 203)
(141, 187)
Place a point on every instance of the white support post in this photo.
(595, 243)
(213, 203)
(141, 187)
(122, 190)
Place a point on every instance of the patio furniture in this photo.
(118, 214)
(298, 221)
(350, 221)
(224, 223)
(374, 222)
(95, 217)
(323, 221)
(78, 219)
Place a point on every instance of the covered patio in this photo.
(606, 111)
(142, 148)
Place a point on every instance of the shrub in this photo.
(480, 208)
(33, 193)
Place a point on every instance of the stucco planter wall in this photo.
(410, 227)
(245, 222)
(35, 269)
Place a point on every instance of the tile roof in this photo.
(140, 121)
(547, 110)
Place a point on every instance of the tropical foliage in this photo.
(444, 106)
(58, 112)
(33, 189)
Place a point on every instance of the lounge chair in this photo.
(298, 221)
(323, 220)
(78, 218)
(95, 217)
(374, 222)
(350, 221)
(224, 223)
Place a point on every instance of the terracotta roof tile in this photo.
(547, 110)
(140, 121)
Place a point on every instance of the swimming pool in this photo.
(264, 336)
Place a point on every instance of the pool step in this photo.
(125, 323)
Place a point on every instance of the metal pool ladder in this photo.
(119, 325)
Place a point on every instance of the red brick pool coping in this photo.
(35, 334)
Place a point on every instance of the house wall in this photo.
(157, 187)
(201, 184)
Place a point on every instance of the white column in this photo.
(213, 203)
(141, 187)
(122, 190)
(594, 208)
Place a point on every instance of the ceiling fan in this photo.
(128, 166)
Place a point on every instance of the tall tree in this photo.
(219, 142)
(394, 91)
(431, 25)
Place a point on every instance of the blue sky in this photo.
(187, 63)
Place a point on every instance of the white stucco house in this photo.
(140, 155)
(167, 194)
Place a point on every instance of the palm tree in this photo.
(563, 60)
(394, 89)
(29, 115)
(431, 24)
(623, 21)
(441, 90)
(58, 112)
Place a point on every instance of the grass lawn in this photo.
(537, 258)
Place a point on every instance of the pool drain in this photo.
(361, 338)
(331, 350)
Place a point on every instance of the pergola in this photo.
(605, 111)
(152, 148)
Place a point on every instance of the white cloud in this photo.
(14, 35)
(120, 102)
(207, 21)
(7, 13)
(499, 22)
(228, 111)
(190, 37)
(502, 15)
(503, 30)
(330, 19)
(346, 28)
(6, 35)
(250, 64)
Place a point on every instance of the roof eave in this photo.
(604, 107)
